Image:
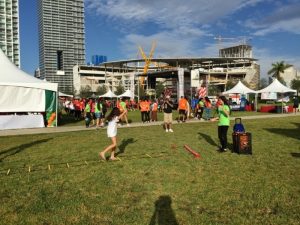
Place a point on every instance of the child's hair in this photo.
(224, 99)
(207, 99)
(114, 112)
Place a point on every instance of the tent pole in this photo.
(56, 96)
(281, 103)
(256, 95)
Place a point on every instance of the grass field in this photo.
(156, 181)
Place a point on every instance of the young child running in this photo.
(112, 118)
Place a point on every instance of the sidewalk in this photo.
(135, 124)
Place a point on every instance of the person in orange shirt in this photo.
(154, 108)
(82, 106)
(143, 107)
(182, 109)
(77, 109)
(148, 110)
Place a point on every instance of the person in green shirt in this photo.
(98, 112)
(87, 113)
(123, 108)
(223, 122)
(200, 107)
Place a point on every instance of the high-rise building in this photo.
(98, 59)
(61, 40)
(9, 30)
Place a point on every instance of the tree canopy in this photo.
(119, 89)
(295, 84)
(277, 69)
(101, 90)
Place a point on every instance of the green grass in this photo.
(156, 181)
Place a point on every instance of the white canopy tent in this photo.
(108, 94)
(277, 87)
(127, 94)
(21, 92)
(239, 88)
(60, 94)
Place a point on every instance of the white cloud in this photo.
(168, 14)
(181, 26)
(167, 45)
(266, 58)
(292, 26)
(283, 19)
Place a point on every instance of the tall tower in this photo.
(9, 30)
(61, 40)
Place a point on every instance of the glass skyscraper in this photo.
(61, 40)
(9, 30)
(98, 59)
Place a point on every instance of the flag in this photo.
(202, 92)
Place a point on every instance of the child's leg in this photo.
(108, 148)
(126, 118)
(113, 150)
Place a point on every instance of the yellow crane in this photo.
(147, 60)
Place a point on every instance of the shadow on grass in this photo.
(123, 145)
(15, 150)
(70, 119)
(208, 139)
(296, 155)
(293, 133)
(163, 212)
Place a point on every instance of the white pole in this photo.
(56, 96)
(256, 95)
(138, 90)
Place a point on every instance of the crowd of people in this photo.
(94, 110)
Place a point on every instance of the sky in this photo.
(116, 28)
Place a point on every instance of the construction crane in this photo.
(147, 60)
(238, 40)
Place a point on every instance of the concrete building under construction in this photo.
(184, 75)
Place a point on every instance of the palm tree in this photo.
(278, 68)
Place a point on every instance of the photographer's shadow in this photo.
(163, 213)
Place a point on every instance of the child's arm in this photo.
(122, 114)
(226, 111)
(214, 119)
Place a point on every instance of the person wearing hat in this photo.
(168, 107)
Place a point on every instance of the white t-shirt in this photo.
(112, 127)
